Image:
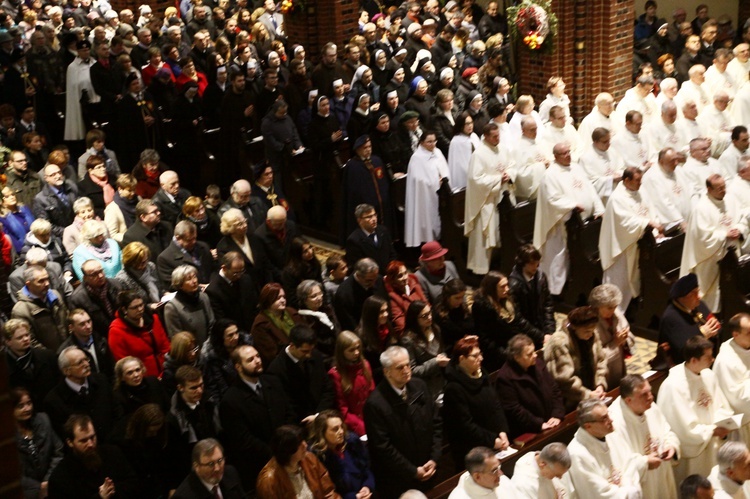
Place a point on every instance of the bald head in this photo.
(528, 127)
(170, 182)
(276, 213)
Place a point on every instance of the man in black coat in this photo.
(32, 368)
(98, 296)
(370, 240)
(364, 282)
(241, 198)
(303, 375)
(231, 286)
(250, 412)
(210, 470)
(81, 392)
(149, 229)
(170, 197)
(276, 236)
(530, 291)
(185, 249)
(55, 201)
(91, 469)
(107, 82)
(403, 428)
(93, 343)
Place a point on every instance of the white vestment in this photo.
(688, 130)
(689, 91)
(632, 101)
(692, 403)
(637, 436)
(530, 484)
(730, 163)
(595, 119)
(726, 488)
(741, 105)
(625, 220)
(459, 155)
(421, 216)
(739, 71)
(562, 189)
(529, 158)
(592, 473)
(661, 135)
(719, 82)
(732, 369)
(738, 192)
(601, 168)
(467, 488)
(633, 149)
(514, 126)
(77, 80)
(717, 126)
(484, 191)
(696, 173)
(668, 192)
(553, 135)
(551, 101)
(706, 243)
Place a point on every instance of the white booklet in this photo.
(506, 453)
(731, 423)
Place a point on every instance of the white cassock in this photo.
(669, 194)
(601, 168)
(637, 436)
(661, 135)
(717, 126)
(421, 217)
(484, 191)
(514, 126)
(729, 161)
(459, 154)
(529, 158)
(562, 189)
(706, 243)
(726, 488)
(595, 119)
(77, 80)
(530, 484)
(632, 101)
(549, 102)
(692, 403)
(696, 173)
(741, 105)
(592, 473)
(552, 135)
(739, 71)
(732, 369)
(719, 82)
(467, 488)
(633, 148)
(688, 130)
(689, 91)
(625, 220)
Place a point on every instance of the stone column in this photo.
(320, 22)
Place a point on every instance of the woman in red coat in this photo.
(352, 379)
(138, 334)
(403, 289)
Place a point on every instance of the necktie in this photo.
(259, 390)
(83, 392)
(215, 492)
(404, 395)
(374, 239)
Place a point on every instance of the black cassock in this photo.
(134, 136)
(366, 183)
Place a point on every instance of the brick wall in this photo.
(321, 22)
(593, 53)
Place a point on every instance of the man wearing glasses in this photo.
(210, 473)
(55, 201)
(483, 477)
(24, 182)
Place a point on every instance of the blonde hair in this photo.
(135, 252)
(228, 219)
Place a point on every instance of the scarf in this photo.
(127, 207)
(192, 299)
(285, 322)
(108, 190)
(103, 252)
(321, 316)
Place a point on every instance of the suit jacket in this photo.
(172, 257)
(307, 383)
(170, 211)
(193, 488)
(62, 401)
(225, 297)
(277, 251)
(96, 309)
(157, 240)
(359, 246)
(104, 361)
(259, 271)
(402, 435)
(249, 422)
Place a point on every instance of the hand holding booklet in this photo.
(731, 423)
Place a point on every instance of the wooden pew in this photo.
(585, 265)
(398, 198)
(660, 268)
(564, 432)
(451, 208)
(734, 281)
(516, 229)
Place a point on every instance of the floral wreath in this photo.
(534, 24)
(291, 6)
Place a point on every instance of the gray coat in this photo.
(181, 316)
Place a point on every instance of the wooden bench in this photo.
(516, 229)
(451, 208)
(660, 268)
(585, 264)
(734, 281)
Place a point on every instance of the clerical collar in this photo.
(292, 357)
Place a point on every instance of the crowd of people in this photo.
(161, 343)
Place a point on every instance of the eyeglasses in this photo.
(213, 464)
(493, 471)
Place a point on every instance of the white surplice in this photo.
(668, 192)
(732, 369)
(421, 214)
(459, 154)
(530, 484)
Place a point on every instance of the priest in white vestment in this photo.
(698, 167)
(602, 164)
(564, 189)
(593, 473)
(599, 117)
(730, 478)
(639, 98)
(662, 132)
(643, 440)
(667, 91)
(537, 475)
(530, 160)
(427, 169)
(714, 225)
(688, 126)
(739, 67)
(483, 478)
(718, 79)
(732, 369)
(692, 403)
(631, 144)
(717, 123)
(459, 153)
(667, 189)
(738, 192)
(558, 130)
(491, 173)
(734, 155)
(693, 89)
(78, 83)
(741, 105)
(626, 219)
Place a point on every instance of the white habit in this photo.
(422, 220)
(601, 168)
(484, 191)
(562, 189)
(732, 369)
(529, 158)
(668, 192)
(459, 154)
(467, 488)
(77, 80)
(530, 484)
